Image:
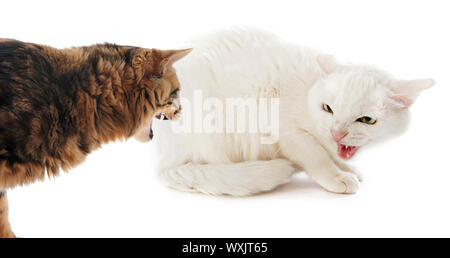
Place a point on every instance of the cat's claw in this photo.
(345, 183)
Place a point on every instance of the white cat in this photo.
(327, 111)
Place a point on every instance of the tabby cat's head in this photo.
(158, 85)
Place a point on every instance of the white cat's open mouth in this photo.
(346, 152)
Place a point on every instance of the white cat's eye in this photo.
(366, 120)
(327, 108)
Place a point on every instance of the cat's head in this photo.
(158, 84)
(354, 106)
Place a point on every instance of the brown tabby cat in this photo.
(56, 106)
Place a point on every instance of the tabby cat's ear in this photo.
(327, 63)
(405, 92)
(171, 56)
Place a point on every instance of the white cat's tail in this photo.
(237, 179)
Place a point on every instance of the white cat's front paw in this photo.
(351, 169)
(343, 183)
(358, 175)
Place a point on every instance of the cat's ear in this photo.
(327, 63)
(169, 57)
(405, 92)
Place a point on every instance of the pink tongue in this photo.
(346, 152)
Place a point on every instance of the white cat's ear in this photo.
(327, 63)
(406, 92)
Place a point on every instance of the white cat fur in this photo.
(253, 63)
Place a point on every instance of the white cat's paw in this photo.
(355, 172)
(343, 183)
(358, 175)
(350, 169)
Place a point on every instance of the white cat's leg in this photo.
(304, 150)
(348, 168)
(237, 179)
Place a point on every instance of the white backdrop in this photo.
(115, 193)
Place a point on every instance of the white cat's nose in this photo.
(338, 135)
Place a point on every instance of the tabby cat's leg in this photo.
(5, 228)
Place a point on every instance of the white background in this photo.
(115, 193)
